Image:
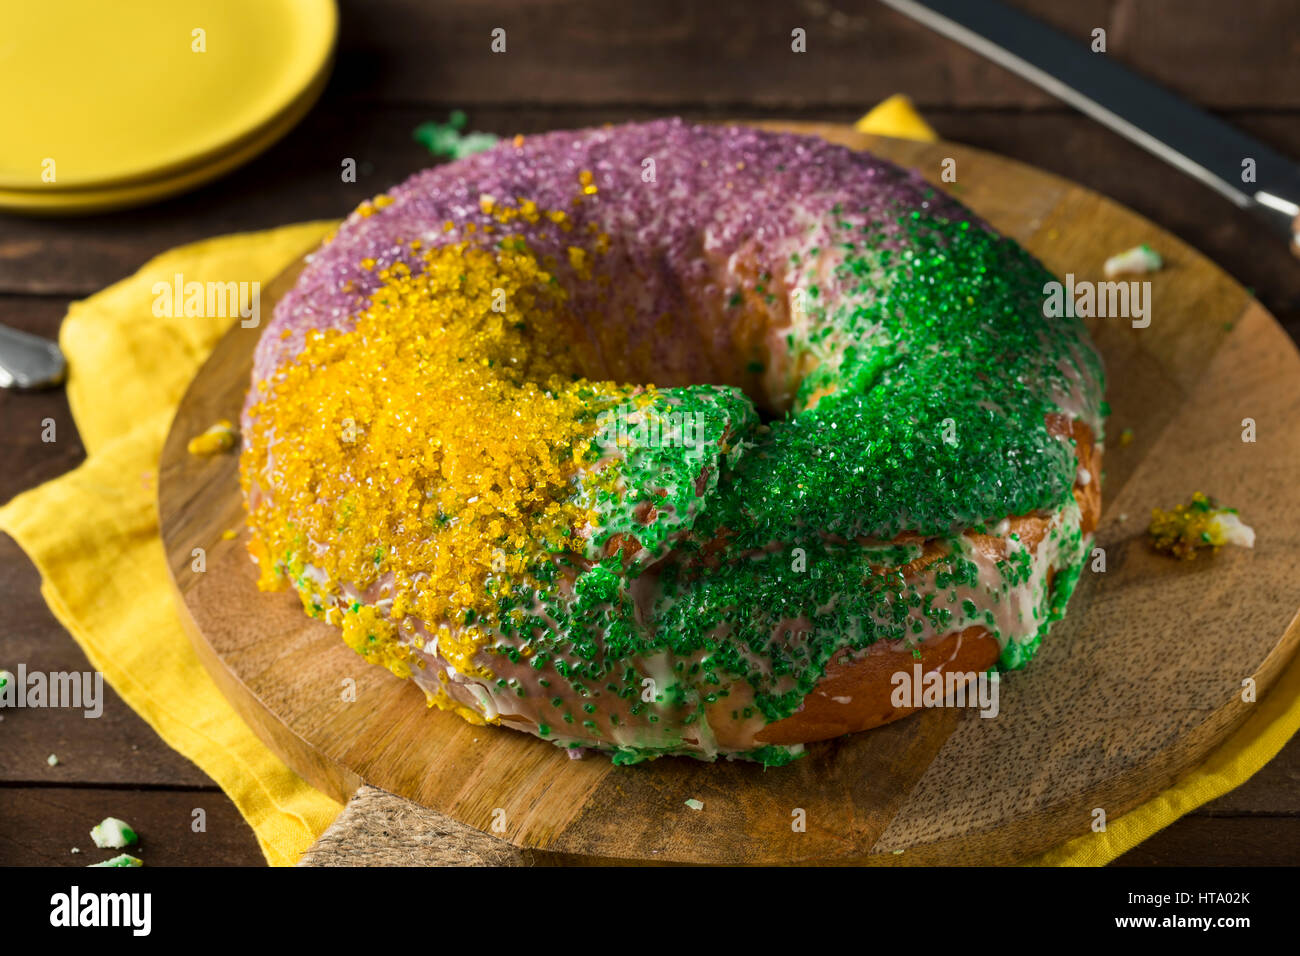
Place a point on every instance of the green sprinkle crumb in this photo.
(112, 833)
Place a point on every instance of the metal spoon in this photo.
(29, 361)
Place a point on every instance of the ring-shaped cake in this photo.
(674, 439)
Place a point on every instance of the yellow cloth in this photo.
(897, 118)
(93, 535)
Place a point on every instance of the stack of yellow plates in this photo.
(106, 105)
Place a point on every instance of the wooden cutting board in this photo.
(1139, 683)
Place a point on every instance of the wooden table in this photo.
(575, 63)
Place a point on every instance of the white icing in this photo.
(1234, 530)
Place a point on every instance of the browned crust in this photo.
(854, 693)
(864, 686)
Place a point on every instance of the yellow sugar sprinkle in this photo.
(435, 481)
(444, 701)
(371, 635)
(218, 438)
(578, 260)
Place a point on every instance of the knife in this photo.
(1191, 140)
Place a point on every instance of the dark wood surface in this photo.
(572, 64)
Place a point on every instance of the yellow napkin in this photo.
(896, 117)
(93, 535)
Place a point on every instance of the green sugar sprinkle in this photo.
(934, 372)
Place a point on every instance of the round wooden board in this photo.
(1139, 683)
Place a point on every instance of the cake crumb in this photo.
(447, 141)
(1135, 261)
(1187, 529)
(113, 834)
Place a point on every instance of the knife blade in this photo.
(1200, 145)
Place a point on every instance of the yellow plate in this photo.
(118, 93)
(66, 202)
